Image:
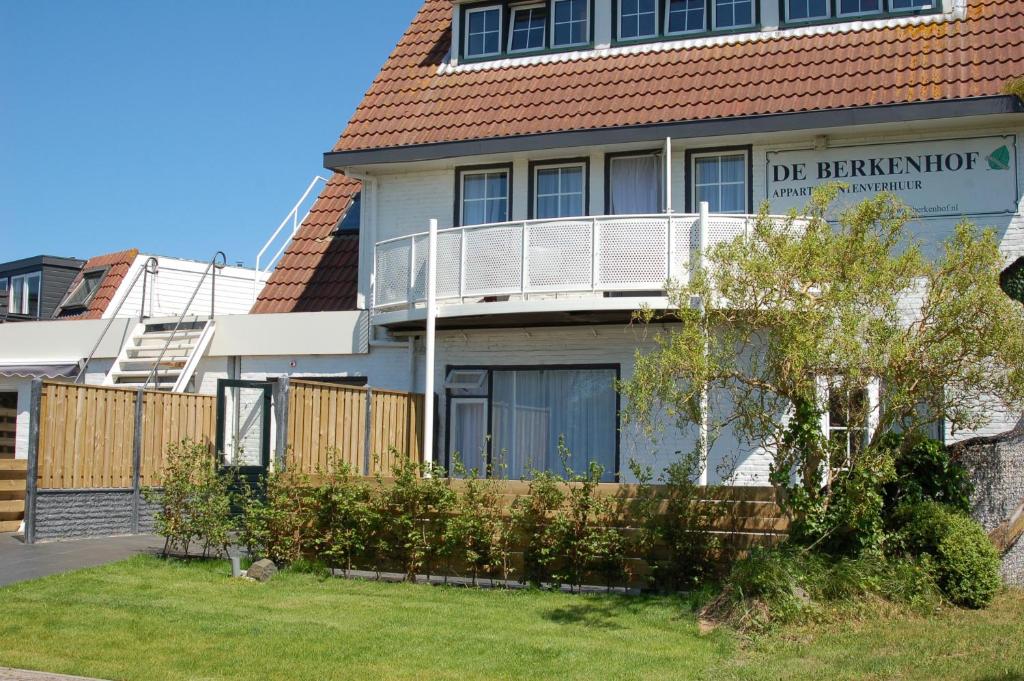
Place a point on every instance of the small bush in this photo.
(925, 472)
(279, 518)
(538, 536)
(345, 517)
(476, 534)
(964, 561)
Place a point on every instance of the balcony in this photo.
(565, 264)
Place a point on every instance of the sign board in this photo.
(954, 177)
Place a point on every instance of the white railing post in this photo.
(411, 291)
(462, 265)
(523, 270)
(702, 233)
(593, 254)
(428, 376)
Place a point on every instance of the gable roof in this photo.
(415, 100)
(319, 270)
(118, 265)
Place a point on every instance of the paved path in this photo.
(20, 561)
(22, 675)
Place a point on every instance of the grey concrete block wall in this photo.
(71, 514)
(997, 468)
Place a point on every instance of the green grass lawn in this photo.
(149, 619)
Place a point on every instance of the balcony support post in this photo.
(702, 244)
(670, 260)
(428, 375)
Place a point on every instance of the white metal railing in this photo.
(586, 254)
(293, 220)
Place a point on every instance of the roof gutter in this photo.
(804, 120)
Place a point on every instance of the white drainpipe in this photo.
(428, 378)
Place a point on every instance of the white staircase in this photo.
(156, 356)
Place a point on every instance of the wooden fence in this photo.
(12, 493)
(366, 428)
(87, 434)
(8, 426)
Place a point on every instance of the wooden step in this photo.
(12, 485)
(13, 464)
(10, 525)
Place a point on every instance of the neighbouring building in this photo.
(32, 288)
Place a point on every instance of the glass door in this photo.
(243, 427)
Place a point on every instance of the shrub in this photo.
(477, 533)
(279, 518)
(538, 536)
(195, 500)
(925, 472)
(412, 515)
(345, 517)
(965, 563)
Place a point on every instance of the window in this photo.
(733, 13)
(856, 7)
(350, 222)
(85, 290)
(484, 196)
(528, 27)
(559, 191)
(515, 424)
(570, 22)
(721, 180)
(637, 19)
(23, 296)
(483, 32)
(847, 422)
(634, 184)
(805, 10)
(685, 16)
(910, 5)
(3, 291)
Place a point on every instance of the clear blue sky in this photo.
(179, 127)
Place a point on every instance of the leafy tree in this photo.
(831, 304)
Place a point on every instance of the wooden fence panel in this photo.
(169, 418)
(8, 426)
(325, 422)
(396, 429)
(85, 437)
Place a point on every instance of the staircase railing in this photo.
(151, 268)
(296, 222)
(211, 271)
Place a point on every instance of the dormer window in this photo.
(730, 14)
(570, 23)
(806, 10)
(686, 16)
(483, 31)
(638, 19)
(854, 8)
(529, 25)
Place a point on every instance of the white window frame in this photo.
(586, 26)
(668, 23)
(734, 27)
(870, 13)
(618, 22)
(512, 24)
(932, 6)
(465, 37)
(24, 294)
(872, 404)
(719, 154)
(827, 15)
(463, 174)
(558, 166)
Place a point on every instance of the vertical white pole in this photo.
(702, 244)
(671, 241)
(428, 378)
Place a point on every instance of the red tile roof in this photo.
(412, 102)
(319, 270)
(118, 264)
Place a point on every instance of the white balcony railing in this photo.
(565, 255)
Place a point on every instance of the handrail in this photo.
(212, 266)
(151, 267)
(293, 217)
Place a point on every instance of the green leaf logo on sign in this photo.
(999, 159)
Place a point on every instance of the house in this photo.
(564, 149)
(32, 288)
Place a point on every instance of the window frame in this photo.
(610, 157)
(658, 29)
(24, 294)
(4, 288)
(839, 14)
(872, 408)
(490, 369)
(536, 166)
(588, 23)
(460, 174)
(476, 9)
(693, 32)
(511, 28)
(830, 7)
(691, 176)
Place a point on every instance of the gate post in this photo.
(281, 406)
(32, 473)
(140, 399)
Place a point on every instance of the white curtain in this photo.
(533, 409)
(635, 185)
(469, 434)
